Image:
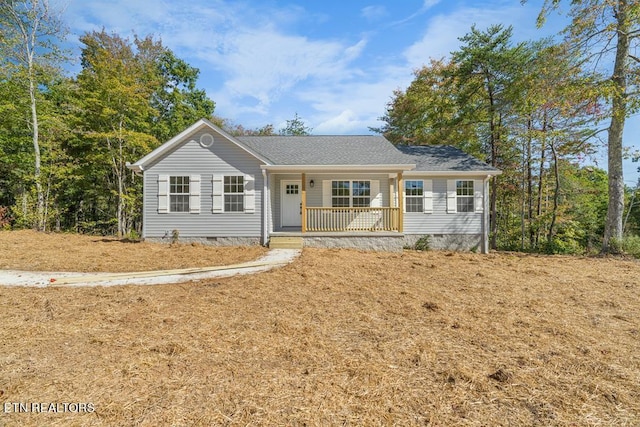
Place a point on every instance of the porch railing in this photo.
(352, 219)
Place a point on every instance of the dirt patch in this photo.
(31, 251)
(339, 337)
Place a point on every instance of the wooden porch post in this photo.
(400, 203)
(303, 203)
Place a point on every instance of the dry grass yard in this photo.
(31, 251)
(339, 337)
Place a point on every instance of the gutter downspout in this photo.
(265, 207)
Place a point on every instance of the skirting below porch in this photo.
(381, 241)
(371, 241)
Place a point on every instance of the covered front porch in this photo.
(339, 203)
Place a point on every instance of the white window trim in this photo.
(164, 194)
(238, 193)
(452, 196)
(249, 194)
(375, 195)
(427, 196)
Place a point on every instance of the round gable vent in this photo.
(206, 140)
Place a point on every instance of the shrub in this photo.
(631, 246)
(5, 219)
(175, 236)
(422, 244)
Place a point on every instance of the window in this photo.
(291, 189)
(414, 196)
(233, 193)
(340, 194)
(179, 194)
(346, 194)
(464, 196)
(361, 194)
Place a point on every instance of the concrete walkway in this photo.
(274, 258)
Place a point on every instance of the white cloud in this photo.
(264, 64)
(352, 106)
(442, 32)
(374, 13)
(344, 122)
(246, 44)
(428, 4)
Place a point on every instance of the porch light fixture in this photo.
(311, 183)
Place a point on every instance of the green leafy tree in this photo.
(603, 31)
(560, 109)
(131, 96)
(115, 117)
(239, 130)
(427, 112)
(29, 35)
(527, 109)
(489, 69)
(295, 126)
(176, 99)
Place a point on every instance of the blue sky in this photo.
(334, 62)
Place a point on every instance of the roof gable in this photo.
(182, 137)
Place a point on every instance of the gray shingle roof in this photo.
(443, 158)
(360, 150)
(325, 150)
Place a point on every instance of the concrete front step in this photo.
(285, 242)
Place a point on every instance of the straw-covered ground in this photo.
(31, 251)
(338, 337)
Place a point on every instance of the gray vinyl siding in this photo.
(314, 195)
(441, 222)
(190, 158)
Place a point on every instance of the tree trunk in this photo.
(530, 183)
(543, 159)
(493, 138)
(615, 210)
(556, 195)
(36, 150)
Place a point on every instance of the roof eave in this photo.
(339, 168)
(135, 167)
(452, 172)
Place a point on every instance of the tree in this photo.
(176, 99)
(428, 112)
(239, 130)
(29, 30)
(295, 126)
(599, 29)
(114, 124)
(489, 69)
(527, 109)
(558, 110)
(131, 95)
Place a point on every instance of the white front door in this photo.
(291, 203)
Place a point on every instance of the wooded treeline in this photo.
(535, 110)
(65, 141)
